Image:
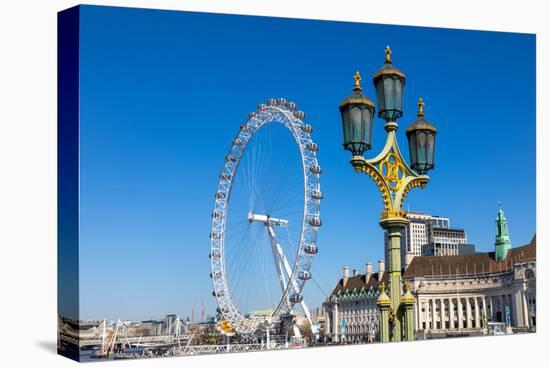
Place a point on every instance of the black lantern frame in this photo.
(357, 112)
(421, 136)
(389, 83)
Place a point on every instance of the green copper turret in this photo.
(502, 242)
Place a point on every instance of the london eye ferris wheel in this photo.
(266, 218)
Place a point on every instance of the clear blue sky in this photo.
(163, 94)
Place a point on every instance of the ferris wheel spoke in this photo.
(279, 191)
(291, 212)
(236, 263)
(284, 189)
(277, 207)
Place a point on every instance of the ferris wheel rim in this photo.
(285, 113)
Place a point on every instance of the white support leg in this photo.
(284, 270)
(282, 259)
(276, 249)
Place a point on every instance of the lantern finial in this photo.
(357, 78)
(421, 105)
(388, 55)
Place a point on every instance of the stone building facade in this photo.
(460, 294)
(351, 313)
(455, 295)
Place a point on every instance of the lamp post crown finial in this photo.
(357, 78)
(388, 54)
(421, 105)
(383, 287)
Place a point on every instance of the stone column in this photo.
(442, 313)
(451, 314)
(434, 320)
(421, 316)
(518, 306)
(484, 321)
(328, 321)
(468, 313)
(503, 308)
(335, 322)
(476, 313)
(428, 314)
(525, 309)
(491, 309)
(460, 313)
(417, 316)
(512, 311)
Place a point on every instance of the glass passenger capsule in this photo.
(307, 129)
(300, 115)
(296, 298)
(310, 249)
(312, 147)
(318, 195)
(315, 221)
(316, 169)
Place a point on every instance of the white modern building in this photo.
(430, 235)
(447, 242)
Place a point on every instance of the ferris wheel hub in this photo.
(267, 220)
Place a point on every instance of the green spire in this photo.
(502, 242)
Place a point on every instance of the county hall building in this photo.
(455, 295)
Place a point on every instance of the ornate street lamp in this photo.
(389, 83)
(357, 113)
(421, 136)
(393, 177)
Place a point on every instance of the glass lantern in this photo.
(389, 83)
(421, 136)
(357, 114)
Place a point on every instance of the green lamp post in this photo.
(392, 175)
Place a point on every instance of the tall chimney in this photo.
(355, 272)
(381, 269)
(346, 275)
(368, 272)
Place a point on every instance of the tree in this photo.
(207, 335)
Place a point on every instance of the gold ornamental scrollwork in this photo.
(388, 214)
(393, 177)
(393, 169)
(381, 184)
